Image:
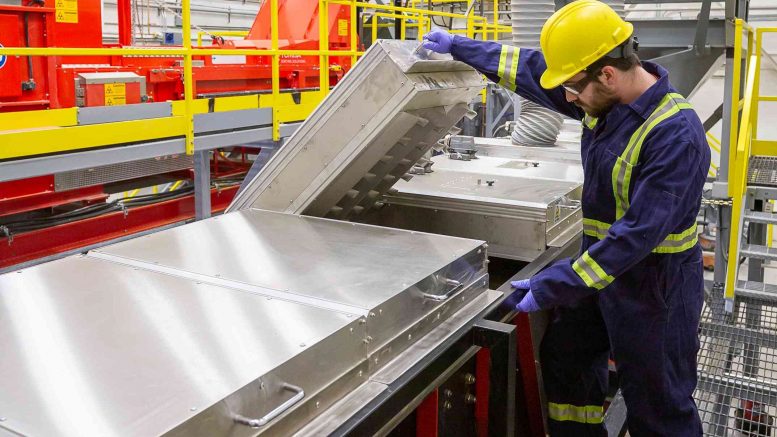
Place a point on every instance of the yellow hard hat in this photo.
(578, 35)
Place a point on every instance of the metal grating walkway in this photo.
(737, 390)
(762, 171)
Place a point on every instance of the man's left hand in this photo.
(527, 304)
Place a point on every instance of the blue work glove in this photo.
(438, 41)
(521, 288)
(523, 292)
(527, 304)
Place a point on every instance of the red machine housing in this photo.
(35, 83)
(49, 82)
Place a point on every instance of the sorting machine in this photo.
(293, 313)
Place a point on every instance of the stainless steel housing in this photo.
(519, 206)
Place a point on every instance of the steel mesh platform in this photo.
(762, 171)
(738, 367)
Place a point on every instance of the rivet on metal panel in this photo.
(362, 321)
(302, 345)
(360, 373)
(318, 404)
(376, 360)
(380, 311)
(351, 330)
(447, 405)
(409, 336)
(469, 398)
(469, 379)
(367, 340)
(372, 314)
(447, 392)
(438, 316)
(193, 409)
(3, 419)
(261, 385)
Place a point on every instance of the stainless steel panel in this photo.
(359, 265)
(381, 118)
(378, 383)
(220, 121)
(138, 111)
(121, 172)
(540, 168)
(505, 190)
(566, 151)
(520, 207)
(96, 348)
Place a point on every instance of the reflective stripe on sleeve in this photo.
(591, 272)
(508, 66)
(589, 414)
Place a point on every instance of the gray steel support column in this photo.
(201, 184)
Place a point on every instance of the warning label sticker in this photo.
(342, 27)
(66, 11)
(115, 94)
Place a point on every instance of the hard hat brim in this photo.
(553, 78)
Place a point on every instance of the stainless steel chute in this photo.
(378, 121)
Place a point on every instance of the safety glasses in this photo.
(578, 87)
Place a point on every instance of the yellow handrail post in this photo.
(736, 78)
(188, 85)
(354, 36)
(738, 181)
(323, 45)
(496, 19)
(276, 68)
(374, 28)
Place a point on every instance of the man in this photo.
(636, 288)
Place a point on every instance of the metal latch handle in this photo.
(262, 421)
(456, 286)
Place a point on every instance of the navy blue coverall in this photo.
(636, 289)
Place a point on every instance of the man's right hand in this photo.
(438, 41)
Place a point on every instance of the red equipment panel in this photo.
(10, 66)
(112, 94)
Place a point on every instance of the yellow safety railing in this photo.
(200, 34)
(35, 137)
(422, 23)
(744, 141)
(494, 27)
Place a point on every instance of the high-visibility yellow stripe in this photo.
(588, 414)
(591, 272)
(673, 243)
(590, 122)
(595, 228)
(508, 66)
(669, 105)
(502, 61)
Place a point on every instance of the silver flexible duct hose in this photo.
(536, 125)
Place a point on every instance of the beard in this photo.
(602, 102)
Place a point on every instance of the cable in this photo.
(9, 229)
